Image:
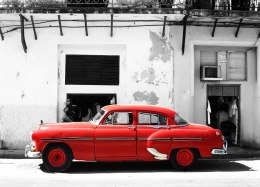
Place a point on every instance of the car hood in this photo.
(71, 125)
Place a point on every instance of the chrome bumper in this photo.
(220, 151)
(29, 153)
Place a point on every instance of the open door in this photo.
(223, 111)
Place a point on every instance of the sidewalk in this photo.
(240, 152)
(12, 154)
(233, 153)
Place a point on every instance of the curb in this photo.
(19, 154)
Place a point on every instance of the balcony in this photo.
(197, 12)
(197, 7)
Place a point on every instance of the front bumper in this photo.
(29, 153)
(220, 151)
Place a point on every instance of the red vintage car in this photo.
(126, 133)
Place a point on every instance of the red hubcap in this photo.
(184, 157)
(56, 157)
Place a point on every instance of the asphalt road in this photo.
(30, 172)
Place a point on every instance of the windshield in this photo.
(179, 120)
(96, 119)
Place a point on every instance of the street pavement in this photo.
(208, 172)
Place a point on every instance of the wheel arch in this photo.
(50, 144)
(178, 148)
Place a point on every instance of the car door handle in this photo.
(132, 128)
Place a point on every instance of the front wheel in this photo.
(57, 158)
(184, 159)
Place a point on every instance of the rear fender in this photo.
(161, 141)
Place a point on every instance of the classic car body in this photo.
(125, 133)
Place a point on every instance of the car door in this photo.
(115, 137)
(151, 126)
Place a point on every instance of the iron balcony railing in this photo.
(130, 5)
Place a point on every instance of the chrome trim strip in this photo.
(157, 155)
(153, 126)
(116, 138)
(187, 139)
(142, 139)
(159, 139)
(68, 139)
(154, 139)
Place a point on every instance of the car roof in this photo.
(150, 108)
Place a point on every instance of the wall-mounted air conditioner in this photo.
(210, 73)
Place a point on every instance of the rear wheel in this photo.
(184, 159)
(57, 158)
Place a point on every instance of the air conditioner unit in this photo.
(210, 73)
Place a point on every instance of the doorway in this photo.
(83, 107)
(223, 111)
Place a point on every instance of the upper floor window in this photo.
(151, 119)
(92, 70)
(230, 64)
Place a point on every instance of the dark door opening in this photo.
(82, 107)
(223, 108)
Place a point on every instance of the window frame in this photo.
(218, 59)
(114, 124)
(155, 113)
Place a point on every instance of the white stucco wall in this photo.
(152, 70)
(32, 83)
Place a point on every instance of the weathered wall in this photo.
(32, 84)
(152, 70)
(190, 95)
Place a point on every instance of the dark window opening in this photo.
(83, 107)
(87, 3)
(92, 70)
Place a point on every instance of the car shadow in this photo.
(206, 165)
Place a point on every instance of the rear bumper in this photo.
(31, 154)
(220, 151)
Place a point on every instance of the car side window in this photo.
(119, 118)
(151, 119)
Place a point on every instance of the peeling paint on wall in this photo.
(149, 98)
(148, 76)
(23, 94)
(153, 78)
(160, 49)
(17, 74)
(151, 75)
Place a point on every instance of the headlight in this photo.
(218, 133)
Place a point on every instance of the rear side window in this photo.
(179, 120)
(151, 119)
